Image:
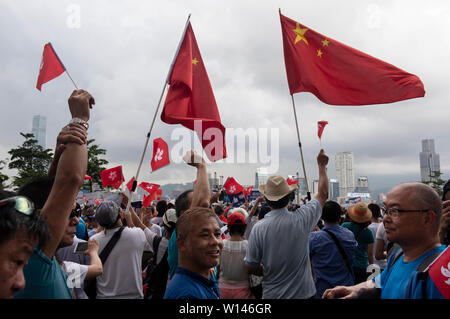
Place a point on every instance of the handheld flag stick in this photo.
(133, 188)
(71, 79)
(300, 148)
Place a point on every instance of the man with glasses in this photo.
(45, 278)
(21, 228)
(412, 213)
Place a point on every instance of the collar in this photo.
(203, 280)
(276, 212)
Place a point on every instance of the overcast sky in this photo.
(120, 51)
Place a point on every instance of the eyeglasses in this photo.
(19, 203)
(394, 212)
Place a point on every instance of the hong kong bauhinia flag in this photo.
(190, 99)
(149, 187)
(320, 127)
(439, 272)
(112, 177)
(338, 74)
(160, 154)
(232, 187)
(130, 184)
(51, 66)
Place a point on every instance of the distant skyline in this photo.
(121, 51)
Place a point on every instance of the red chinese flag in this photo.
(233, 187)
(112, 177)
(51, 66)
(130, 184)
(338, 74)
(439, 272)
(320, 127)
(149, 187)
(190, 98)
(160, 154)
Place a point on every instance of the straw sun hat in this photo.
(276, 188)
(359, 213)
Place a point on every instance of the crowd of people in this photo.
(198, 248)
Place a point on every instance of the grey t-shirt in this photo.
(280, 242)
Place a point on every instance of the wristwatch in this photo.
(79, 121)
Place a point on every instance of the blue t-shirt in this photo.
(188, 285)
(80, 230)
(397, 279)
(326, 260)
(45, 279)
(361, 259)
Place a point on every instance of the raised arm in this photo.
(201, 195)
(69, 176)
(322, 194)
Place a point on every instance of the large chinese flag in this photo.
(51, 66)
(190, 98)
(112, 177)
(338, 74)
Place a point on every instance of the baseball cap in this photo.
(236, 219)
(107, 213)
(170, 216)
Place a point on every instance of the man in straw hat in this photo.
(280, 241)
(412, 212)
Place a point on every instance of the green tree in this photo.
(96, 164)
(3, 177)
(436, 181)
(31, 160)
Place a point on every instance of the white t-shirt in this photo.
(381, 234)
(122, 272)
(232, 266)
(76, 273)
(374, 228)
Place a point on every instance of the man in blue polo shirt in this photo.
(199, 247)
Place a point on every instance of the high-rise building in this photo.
(39, 129)
(261, 176)
(333, 193)
(362, 185)
(344, 173)
(429, 160)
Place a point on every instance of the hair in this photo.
(281, 203)
(237, 229)
(218, 209)
(12, 221)
(37, 190)
(182, 203)
(263, 211)
(189, 220)
(375, 209)
(170, 205)
(445, 189)
(161, 207)
(331, 212)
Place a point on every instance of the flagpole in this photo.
(133, 188)
(300, 148)
(71, 79)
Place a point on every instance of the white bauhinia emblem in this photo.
(446, 273)
(159, 155)
(42, 64)
(112, 175)
(232, 189)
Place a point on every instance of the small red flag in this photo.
(85, 199)
(321, 126)
(292, 181)
(232, 187)
(130, 184)
(338, 74)
(147, 200)
(51, 66)
(439, 272)
(160, 154)
(149, 187)
(190, 98)
(112, 177)
(87, 177)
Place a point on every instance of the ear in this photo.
(429, 219)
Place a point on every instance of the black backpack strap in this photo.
(341, 250)
(427, 261)
(110, 245)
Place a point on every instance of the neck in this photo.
(194, 268)
(236, 237)
(330, 224)
(415, 250)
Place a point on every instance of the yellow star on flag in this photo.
(319, 53)
(195, 61)
(300, 34)
(325, 42)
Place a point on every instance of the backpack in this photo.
(156, 274)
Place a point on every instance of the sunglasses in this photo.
(19, 203)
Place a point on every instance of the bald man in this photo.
(412, 213)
